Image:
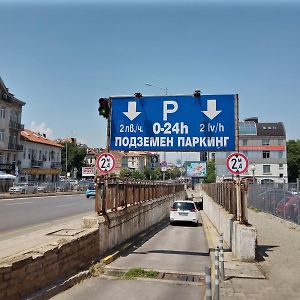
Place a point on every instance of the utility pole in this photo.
(66, 160)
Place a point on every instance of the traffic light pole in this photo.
(101, 191)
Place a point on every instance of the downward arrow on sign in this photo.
(131, 114)
(211, 111)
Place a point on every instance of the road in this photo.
(22, 215)
(175, 250)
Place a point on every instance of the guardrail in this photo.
(225, 194)
(122, 193)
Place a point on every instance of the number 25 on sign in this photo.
(105, 163)
(237, 163)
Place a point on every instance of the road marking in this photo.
(69, 204)
(38, 197)
(19, 203)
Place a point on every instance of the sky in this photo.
(60, 57)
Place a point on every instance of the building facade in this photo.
(10, 128)
(41, 158)
(265, 146)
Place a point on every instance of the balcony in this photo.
(13, 146)
(16, 125)
(36, 164)
(56, 165)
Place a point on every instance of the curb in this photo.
(140, 238)
(59, 286)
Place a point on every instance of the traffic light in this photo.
(103, 107)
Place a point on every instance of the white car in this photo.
(183, 210)
(23, 188)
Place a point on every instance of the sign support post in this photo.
(101, 196)
(239, 212)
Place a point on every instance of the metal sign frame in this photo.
(132, 103)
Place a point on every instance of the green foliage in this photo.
(211, 172)
(138, 272)
(75, 156)
(293, 159)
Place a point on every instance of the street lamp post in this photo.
(253, 168)
(166, 93)
(159, 87)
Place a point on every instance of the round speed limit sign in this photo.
(105, 163)
(237, 163)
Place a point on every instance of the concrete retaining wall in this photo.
(25, 274)
(240, 238)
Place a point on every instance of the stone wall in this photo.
(34, 270)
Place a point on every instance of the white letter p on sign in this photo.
(169, 108)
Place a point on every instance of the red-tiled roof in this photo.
(31, 136)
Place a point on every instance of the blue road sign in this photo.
(174, 123)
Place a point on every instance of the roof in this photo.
(11, 96)
(30, 136)
(270, 129)
(252, 128)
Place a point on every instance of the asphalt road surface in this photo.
(22, 215)
(179, 249)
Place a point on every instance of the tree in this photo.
(293, 159)
(75, 158)
(211, 172)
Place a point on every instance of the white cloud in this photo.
(41, 128)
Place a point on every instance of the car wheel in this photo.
(87, 196)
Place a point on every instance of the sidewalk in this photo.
(275, 275)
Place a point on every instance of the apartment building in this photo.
(137, 161)
(41, 157)
(10, 128)
(265, 146)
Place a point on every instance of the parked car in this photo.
(183, 210)
(24, 188)
(46, 187)
(91, 190)
(83, 185)
(269, 199)
(63, 186)
(288, 208)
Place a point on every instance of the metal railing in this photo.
(16, 125)
(12, 146)
(225, 194)
(123, 193)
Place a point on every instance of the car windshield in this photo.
(184, 205)
(91, 186)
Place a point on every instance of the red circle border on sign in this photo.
(99, 157)
(237, 154)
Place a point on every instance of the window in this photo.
(14, 158)
(266, 154)
(8, 158)
(280, 154)
(265, 142)
(40, 155)
(266, 169)
(1, 157)
(280, 142)
(2, 112)
(24, 153)
(244, 142)
(1, 135)
(245, 152)
(280, 166)
(29, 153)
(281, 175)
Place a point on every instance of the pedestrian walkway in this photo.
(278, 259)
